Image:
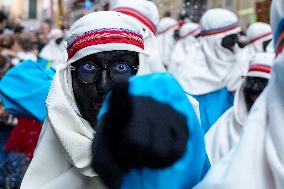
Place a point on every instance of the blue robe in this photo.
(213, 105)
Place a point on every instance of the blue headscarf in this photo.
(24, 89)
(190, 169)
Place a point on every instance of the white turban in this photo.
(257, 33)
(146, 13)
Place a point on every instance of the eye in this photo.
(87, 68)
(122, 68)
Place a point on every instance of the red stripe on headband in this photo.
(220, 30)
(260, 37)
(169, 28)
(100, 37)
(260, 68)
(191, 33)
(139, 16)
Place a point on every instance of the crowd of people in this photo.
(124, 99)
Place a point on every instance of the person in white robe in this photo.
(166, 41)
(226, 132)
(257, 161)
(185, 47)
(63, 154)
(211, 73)
(146, 12)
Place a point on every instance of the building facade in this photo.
(248, 11)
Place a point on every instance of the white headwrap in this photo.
(146, 12)
(63, 155)
(166, 40)
(226, 132)
(185, 47)
(257, 162)
(257, 33)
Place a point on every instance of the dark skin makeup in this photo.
(94, 76)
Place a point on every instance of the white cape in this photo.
(226, 132)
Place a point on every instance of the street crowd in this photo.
(125, 100)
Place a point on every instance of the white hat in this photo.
(167, 24)
(104, 31)
(189, 29)
(55, 33)
(259, 31)
(216, 21)
(261, 65)
(144, 11)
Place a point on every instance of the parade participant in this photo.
(226, 133)
(55, 51)
(259, 35)
(146, 12)
(166, 41)
(185, 47)
(135, 150)
(257, 161)
(214, 76)
(103, 48)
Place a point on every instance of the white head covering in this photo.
(66, 136)
(226, 132)
(257, 162)
(166, 40)
(185, 47)
(257, 33)
(55, 33)
(146, 12)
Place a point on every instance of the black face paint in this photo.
(265, 45)
(94, 76)
(229, 42)
(252, 89)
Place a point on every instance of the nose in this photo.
(103, 83)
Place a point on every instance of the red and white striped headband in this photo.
(262, 68)
(220, 30)
(136, 14)
(193, 33)
(104, 36)
(261, 37)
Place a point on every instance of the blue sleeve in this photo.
(25, 87)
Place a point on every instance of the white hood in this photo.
(146, 13)
(257, 33)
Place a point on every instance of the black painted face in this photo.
(265, 44)
(229, 42)
(252, 89)
(94, 76)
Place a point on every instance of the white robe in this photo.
(226, 132)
